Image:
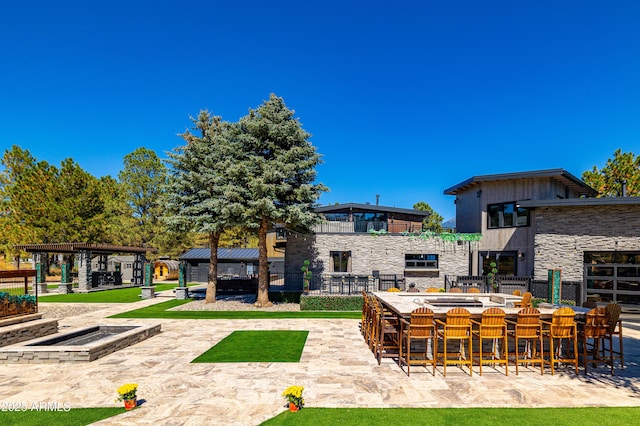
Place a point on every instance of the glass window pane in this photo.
(631, 271)
(523, 216)
(494, 216)
(630, 299)
(629, 285)
(507, 215)
(600, 284)
(600, 271)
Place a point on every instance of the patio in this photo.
(336, 369)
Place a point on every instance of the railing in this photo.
(505, 283)
(571, 290)
(14, 293)
(334, 226)
(344, 227)
(338, 284)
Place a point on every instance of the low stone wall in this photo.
(13, 332)
(34, 354)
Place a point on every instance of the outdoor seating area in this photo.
(496, 330)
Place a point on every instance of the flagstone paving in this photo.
(337, 370)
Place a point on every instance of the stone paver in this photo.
(337, 370)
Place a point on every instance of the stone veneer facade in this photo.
(22, 331)
(384, 253)
(564, 234)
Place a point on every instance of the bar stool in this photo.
(591, 334)
(420, 328)
(528, 328)
(562, 327)
(613, 311)
(492, 327)
(457, 327)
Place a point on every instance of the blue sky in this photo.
(403, 99)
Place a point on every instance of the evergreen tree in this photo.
(143, 180)
(433, 222)
(279, 180)
(202, 195)
(623, 168)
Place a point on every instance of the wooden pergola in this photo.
(83, 253)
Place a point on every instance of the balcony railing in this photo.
(343, 227)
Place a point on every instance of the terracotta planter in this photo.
(293, 407)
(130, 404)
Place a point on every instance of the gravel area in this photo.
(234, 303)
(223, 303)
(64, 310)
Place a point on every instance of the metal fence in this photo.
(338, 284)
(15, 297)
(17, 282)
(571, 290)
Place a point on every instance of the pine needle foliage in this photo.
(279, 179)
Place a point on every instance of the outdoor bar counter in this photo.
(403, 303)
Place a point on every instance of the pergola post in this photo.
(84, 270)
(39, 260)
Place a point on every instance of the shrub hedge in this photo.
(330, 303)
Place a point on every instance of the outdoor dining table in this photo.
(403, 303)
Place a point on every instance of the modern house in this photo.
(368, 241)
(533, 222)
(526, 222)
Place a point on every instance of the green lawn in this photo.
(73, 417)
(458, 416)
(257, 346)
(122, 295)
(159, 310)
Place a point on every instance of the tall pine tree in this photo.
(279, 180)
(202, 194)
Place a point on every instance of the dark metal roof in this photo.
(75, 247)
(339, 208)
(558, 174)
(223, 254)
(580, 202)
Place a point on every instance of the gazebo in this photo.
(84, 252)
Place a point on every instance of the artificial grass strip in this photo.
(121, 295)
(582, 416)
(72, 417)
(257, 346)
(159, 310)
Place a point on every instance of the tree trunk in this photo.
(212, 278)
(263, 266)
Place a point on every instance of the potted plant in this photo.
(293, 395)
(127, 393)
(306, 276)
(492, 276)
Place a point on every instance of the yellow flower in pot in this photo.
(127, 393)
(293, 395)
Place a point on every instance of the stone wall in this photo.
(564, 234)
(383, 253)
(16, 333)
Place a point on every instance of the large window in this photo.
(421, 261)
(507, 215)
(505, 263)
(613, 276)
(340, 261)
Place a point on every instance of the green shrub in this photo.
(330, 303)
(535, 301)
(284, 297)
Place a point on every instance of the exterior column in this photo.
(84, 270)
(138, 266)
